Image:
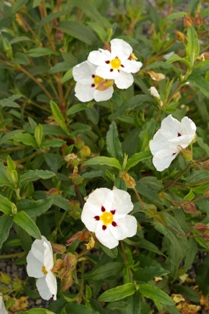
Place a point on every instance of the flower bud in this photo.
(66, 283)
(198, 20)
(180, 36)
(186, 154)
(154, 92)
(58, 248)
(156, 76)
(187, 21)
(206, 194)
(70, 260)
(79, 143)
(58, 265)
(85, 152)
(200, 227)
(130, 182)
(189, 207)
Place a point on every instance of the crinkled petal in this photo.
(106, 237)
(159, 142)
(163, 158)
(84, 92)
(2, 306)
(189, 126)
(126, 227)
(38, 249)
(99, 57)
(120, 49)
(131, 66)
(34, 266)
(124, 80)
(51, 282)
(122, 202)
(83, 71)
(104, 72)
(182, 141)
(103, 95)
(43, 288)
(170, 127)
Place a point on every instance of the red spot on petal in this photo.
(173, 154)
(93, 75)
(111, 70)
(96, 217)
(92, 85)
(122, 65)
(119, 71)
(103, 209)
(104, 227)
(108, 61)
(179, 134)
(113, 211)
(114, 224)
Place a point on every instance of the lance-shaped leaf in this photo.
(5, 226)
(103, 160)
(118, 293)
(57, 115)
(114, 147)
(24, 221)
(192, 47)
(154, 293)
(136, 158)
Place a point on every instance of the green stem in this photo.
(20, 254)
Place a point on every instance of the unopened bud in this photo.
(179, 35)
(79, 143)
(133, 57)
(130, 182)
(206, 194)
(187, 21)
(154, 92)
(186, 154)
(70, 260)
(85, 152)
(189, 207)
(58, 248)
(66, 283)
(198, 20)
(58, 265)
(200, 227)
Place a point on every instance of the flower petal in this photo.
(106, 237)
(131, 66)
(120, 49)
(34, 266)
(99, 57)
(52, 284)
(2, 306)
(84, 92)
(121, 202)
(83, 71)
(43, 288)
(126, 227)
(163, 158)
(124, 80)
(48, 256)
(103, 95)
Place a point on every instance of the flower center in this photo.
(97, 80)
(106, 218)
(115, 63)
(105, 84)
(44, 271)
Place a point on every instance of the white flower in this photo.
(89, 85)
(116, 64)
(2, 306)
(154, 92)
(39, 265)
(170, 139)
(105, 213)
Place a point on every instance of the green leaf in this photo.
(26, 139)
(57, 115)
(9, 102)
(76, 108)
(192, 47)
(38, 134)
(37, 311)
(5, 226)
(77, 30)
(26, 222)
(36, 3)
(79, 309)
(114, 147)
(34, 208)
(6, 205)
(200, 83)
(34, 175)
(54, 142)
(176, 15)
(68, 75)
(20, 58)
(136, 158)
(100, 31)
(40, 52)
(154, 293)
(118, 293)
(103, 160)
(104, 271)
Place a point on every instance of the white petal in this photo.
(189, 126)
(126, 227)
(34, 266)
(159, 142)
(48, 256)
(154, 92)
(182, 141)
(122, 202)
(43, 288)
(124, 80)
(103, 95)
(83, 71)
(131, 66)
(170, 127)
(163, 158)
(84, 92)
(2, 306)
(38, 249)
(52, 284)
(104, 71)
(106, 237)
(120, 49)
(99, 57)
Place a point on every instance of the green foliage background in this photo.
(54, 150)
